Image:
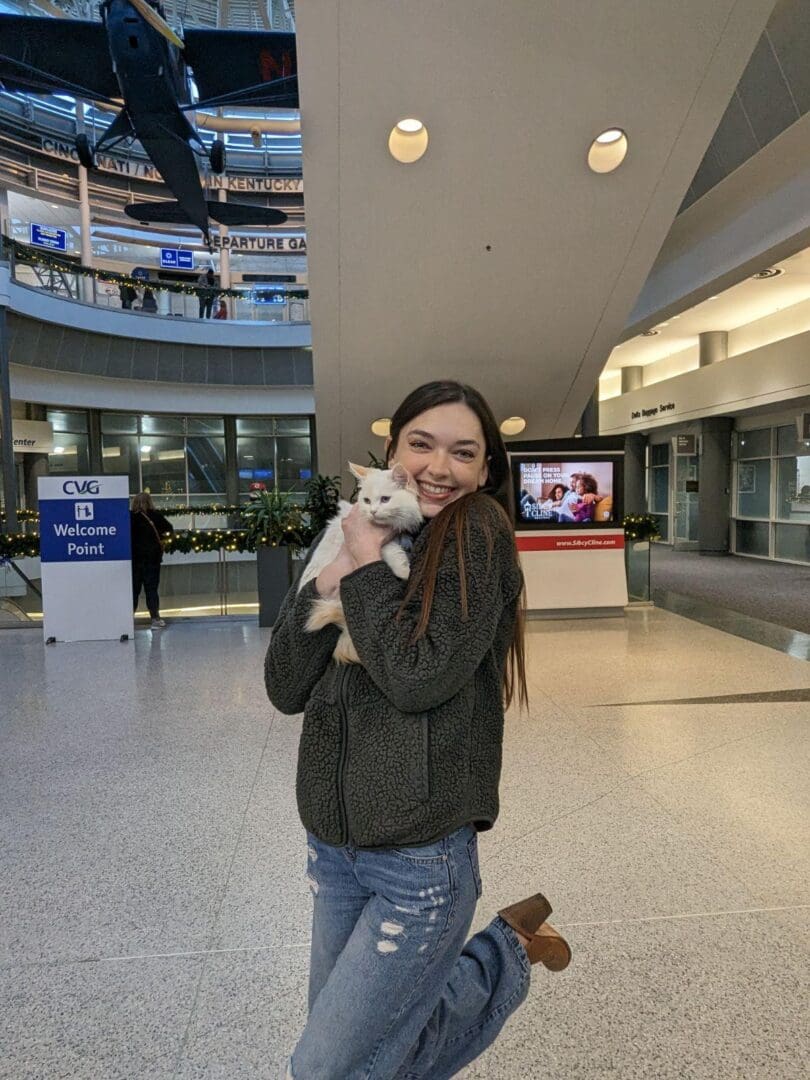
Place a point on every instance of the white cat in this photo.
(387, 497)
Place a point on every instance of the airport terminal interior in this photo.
(234, 235)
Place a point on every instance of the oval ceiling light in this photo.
(772, 271)
(513, 425)
(381, 427)
(607, 151)
(408, 140)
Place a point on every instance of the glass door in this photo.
(685, 493)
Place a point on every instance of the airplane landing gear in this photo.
(217, 156)
(85, 152)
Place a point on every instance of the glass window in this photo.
(659, 491)
(205, 425)
(119, 424)
(793, 488)
(256, 425)
(659, 454)
(754, 444)
(163, 425)
(754, 488)
(292, 425)
(792, 542)
(68, 420)
(70, 454)
(752, 538)
(786, 439)
(294, 463)
(256, 462)
(163, 465)
(663, 525)
(206, 465)
(119, 457)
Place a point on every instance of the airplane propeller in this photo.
(155, 20)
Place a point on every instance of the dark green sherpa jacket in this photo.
(406, 747)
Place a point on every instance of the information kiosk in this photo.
(86, 557)
(568, 523)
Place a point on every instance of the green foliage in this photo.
(323, 496)
(274, 519)
(641, 527)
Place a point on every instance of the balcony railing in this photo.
(67, 279)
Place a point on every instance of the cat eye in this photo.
(385, 498)
(367, 501)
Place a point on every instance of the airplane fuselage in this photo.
(153, 82)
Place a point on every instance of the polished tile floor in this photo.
(155, 914)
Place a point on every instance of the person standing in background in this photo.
(148, 527)
(206, 281)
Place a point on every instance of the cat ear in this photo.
(401, 476)
(358, 471)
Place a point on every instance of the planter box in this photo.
(274, 574)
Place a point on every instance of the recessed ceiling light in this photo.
(408, 140)
(381, 427)
(513, 425)
(772, 271)
(651, 333)
(661, 325)
(608, 150)
(712, 297)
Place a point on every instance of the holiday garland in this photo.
(22, 545)
(26, 254)
(641, 527)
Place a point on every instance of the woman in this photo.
(148, 527)
(552, 504)
(399, 763)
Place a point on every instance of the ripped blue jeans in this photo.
(396, 991)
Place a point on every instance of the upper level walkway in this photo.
(50, 331)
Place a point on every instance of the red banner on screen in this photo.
(556, 542)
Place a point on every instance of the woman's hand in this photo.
(363, 539)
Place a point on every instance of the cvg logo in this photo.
(80, 487)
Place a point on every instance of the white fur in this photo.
(387, 497)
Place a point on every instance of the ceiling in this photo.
(743, 304)
(498, 258)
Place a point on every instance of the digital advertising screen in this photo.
(551, 491)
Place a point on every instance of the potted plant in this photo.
(323, 496)
(274, 528)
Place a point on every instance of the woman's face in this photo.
(580, 489)
(557, 494)
(445, 452)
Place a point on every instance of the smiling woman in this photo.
(399, 762)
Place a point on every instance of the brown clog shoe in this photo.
(545, 945)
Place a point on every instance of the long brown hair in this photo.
(142, 503)
(454, 520)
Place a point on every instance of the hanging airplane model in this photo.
(134, 56)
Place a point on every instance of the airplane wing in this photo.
(243, 67)
(49, 56)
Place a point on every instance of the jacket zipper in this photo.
(344, 748)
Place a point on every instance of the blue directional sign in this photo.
(175, 259)
(45, 236)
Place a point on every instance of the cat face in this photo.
(388, 496)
